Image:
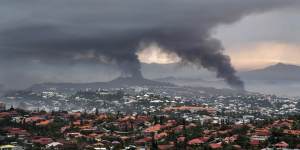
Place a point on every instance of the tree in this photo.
(154, 145)
(161, 119)
(155, 119)
(97, 112)
(243, 141)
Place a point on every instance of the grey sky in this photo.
(269, 37)
(62, 34)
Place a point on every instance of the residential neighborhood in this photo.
(150, 121)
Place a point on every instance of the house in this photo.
(34, 119)
(166, 146)
(2, 106)
(74, 135)
(254, 143)
(54, 145)
(44, 122)
(216, 145)
(230, 139)
(143, 141)
(7, 147)
(281, 144)
(160, 136)
(5, 114)
(42, 140)
(17, 131)
(283, 123)
(196, 141)
(181, 139)
(154, 128)
(262, 132)
(291, 132)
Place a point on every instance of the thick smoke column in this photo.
(62, 32)
(201, 50)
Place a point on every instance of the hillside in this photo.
(277, 72)
(116, 83)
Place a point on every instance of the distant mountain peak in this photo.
(282, 66)
(274, 73)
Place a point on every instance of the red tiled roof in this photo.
(196, 141)
(282, 144)
(254, 142)
(178, 128)
(143, 141)
(93, 135)
(154, 128)
(206, 131)
(172, 121)
(199, 140)
(262, 132)
(18, 131)
(42, 141)
(165, 147)
(125, 138)
(33, 119)
(216, 145)
(4, 114)
(181, 139)
(126, 118)
(292, 132)
(147, 139)
(160, 135)
(44, 123)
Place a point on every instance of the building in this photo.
(7, 147)
(2, 106)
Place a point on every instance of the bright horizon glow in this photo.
(264, 54)
(154, 54)
(243, 58)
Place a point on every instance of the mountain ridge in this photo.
(120, 82)
(276, 72)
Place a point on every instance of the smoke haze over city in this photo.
(41, 41)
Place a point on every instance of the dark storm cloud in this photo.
(101, 31)
(51, 45)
